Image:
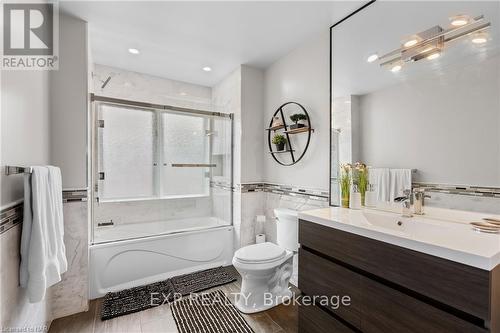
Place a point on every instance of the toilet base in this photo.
(264, 287)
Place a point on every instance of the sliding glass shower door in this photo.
(159, 171)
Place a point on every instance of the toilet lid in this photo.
(263, 252)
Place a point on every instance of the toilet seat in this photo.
(260, 253)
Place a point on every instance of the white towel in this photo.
(380, 177)
(43, 255)
(400, 181)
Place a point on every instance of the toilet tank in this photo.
(287, 228)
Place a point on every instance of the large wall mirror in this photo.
(416, 86)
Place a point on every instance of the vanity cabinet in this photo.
(391, 289)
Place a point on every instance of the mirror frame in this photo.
(331, 97)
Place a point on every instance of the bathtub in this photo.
(124, 264)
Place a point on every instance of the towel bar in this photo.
(12, 170)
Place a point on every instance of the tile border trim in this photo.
(476, 191)
(283, 189)
(10, 217)
(13, 215)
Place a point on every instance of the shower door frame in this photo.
(94, 159)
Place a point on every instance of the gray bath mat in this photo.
(202, 280)
(144, 297)
(208, 313)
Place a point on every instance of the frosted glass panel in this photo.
(184, 141)
(126, 153)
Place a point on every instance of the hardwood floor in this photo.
(280, 319)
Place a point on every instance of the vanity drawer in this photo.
(388, 310)
(320, 277)
(462, 287)
(315, 320)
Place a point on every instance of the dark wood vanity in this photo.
(391, 288)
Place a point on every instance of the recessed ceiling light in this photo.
(133, 51)
(479, 38)
(411, 42)
(372, 57)
(182, 93)
(396, 68)
(207, 69)
(434, 55)
(459, 20)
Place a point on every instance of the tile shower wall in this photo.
(150, 89)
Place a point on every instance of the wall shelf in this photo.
(299, 130)
(281, 151)
(275, 128)
(271, 131)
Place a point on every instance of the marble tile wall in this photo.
(66, 297)
(122, 212)
(71, 294)
(17, 313)
(483, 204)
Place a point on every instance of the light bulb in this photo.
(372, 57)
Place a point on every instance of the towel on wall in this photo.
(400, 181)
(43, 255)
(380, 177)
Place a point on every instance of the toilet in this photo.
(266, 268)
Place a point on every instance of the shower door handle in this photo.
(193, 165)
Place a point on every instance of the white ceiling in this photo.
(383, 26)
(177, 39)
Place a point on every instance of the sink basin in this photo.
(386, 221)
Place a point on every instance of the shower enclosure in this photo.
(162, 179)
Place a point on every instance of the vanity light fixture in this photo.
(430, 43)
(372, 57)
(434, 55)
(411, 42)
(133, 51)
(207, 69)
(396, 68)
(459, 20)
(479, 38)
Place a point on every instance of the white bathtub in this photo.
(129, 263)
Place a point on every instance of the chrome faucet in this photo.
(418, 204)
(406, 201)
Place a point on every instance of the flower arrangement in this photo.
(361, 179)
(345, 183)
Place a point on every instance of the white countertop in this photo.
(442, 233)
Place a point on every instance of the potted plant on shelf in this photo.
(345, 184)
(279, 141)
(296, 117)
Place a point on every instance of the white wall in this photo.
(24, 141)
(302, 76)
(252, 114)
(68, 96)
(24, 126)
(446, 127)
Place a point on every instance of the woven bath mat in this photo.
(136, 299)
(208, 313)
(202, 280)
